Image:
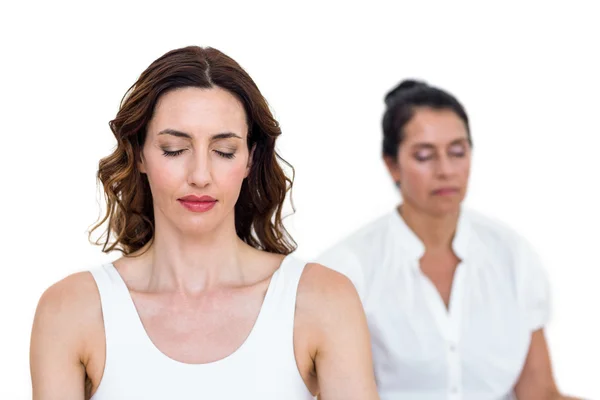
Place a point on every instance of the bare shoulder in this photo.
(66, 334)
(331, 328)
(68, 308)
(74, 293)
(325, 292)
(326, 302)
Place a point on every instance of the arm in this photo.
(342, 348)
(57, 371)
(343, 260)
(536, 381)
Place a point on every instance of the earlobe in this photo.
(250, 159)
(393, 169)
(140, 164)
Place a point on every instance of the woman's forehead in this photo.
(435, 127)
(199, 112)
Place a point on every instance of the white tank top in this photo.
(263, 367)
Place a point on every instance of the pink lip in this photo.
(198, 203)
(193, 197)
(447, 191)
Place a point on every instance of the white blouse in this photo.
(475, 349)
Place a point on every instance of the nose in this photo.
(200, 171)
(444, 166)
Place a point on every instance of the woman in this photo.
(206, 302)
(456, 303)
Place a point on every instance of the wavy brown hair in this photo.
(129, 207)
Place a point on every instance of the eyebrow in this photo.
(218, 136)
(431, 146)
(225, 135)
(459, 141)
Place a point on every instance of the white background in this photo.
(528, 75)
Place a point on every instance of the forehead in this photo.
(437, 127)
(198, 111)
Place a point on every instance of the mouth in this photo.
(446, 191)
(197, 203)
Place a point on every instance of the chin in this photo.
(443, 209)
(196, 225)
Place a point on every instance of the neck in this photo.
(193, 263)
(436, 232)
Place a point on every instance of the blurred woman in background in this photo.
(456, 303)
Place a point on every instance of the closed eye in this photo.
(175, 153)
(457, 151)
(225, 155)
(421, 157)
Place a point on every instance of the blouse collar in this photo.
(414, 248)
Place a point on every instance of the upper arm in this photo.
(536, 377)
(342, 356)
(536, 380)
(57, 370)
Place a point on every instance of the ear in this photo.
(393, 168)
(141, 165)
(250, 160)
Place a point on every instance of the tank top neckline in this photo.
(238, 352)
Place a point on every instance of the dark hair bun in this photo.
(404, 86)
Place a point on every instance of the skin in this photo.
(197, 287)
(435, 154)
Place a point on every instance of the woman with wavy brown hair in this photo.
(206, 302)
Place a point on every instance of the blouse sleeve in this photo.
(534, 286)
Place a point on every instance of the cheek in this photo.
(416, 177)
(229, 174)
(465, 169)
(165, 174)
